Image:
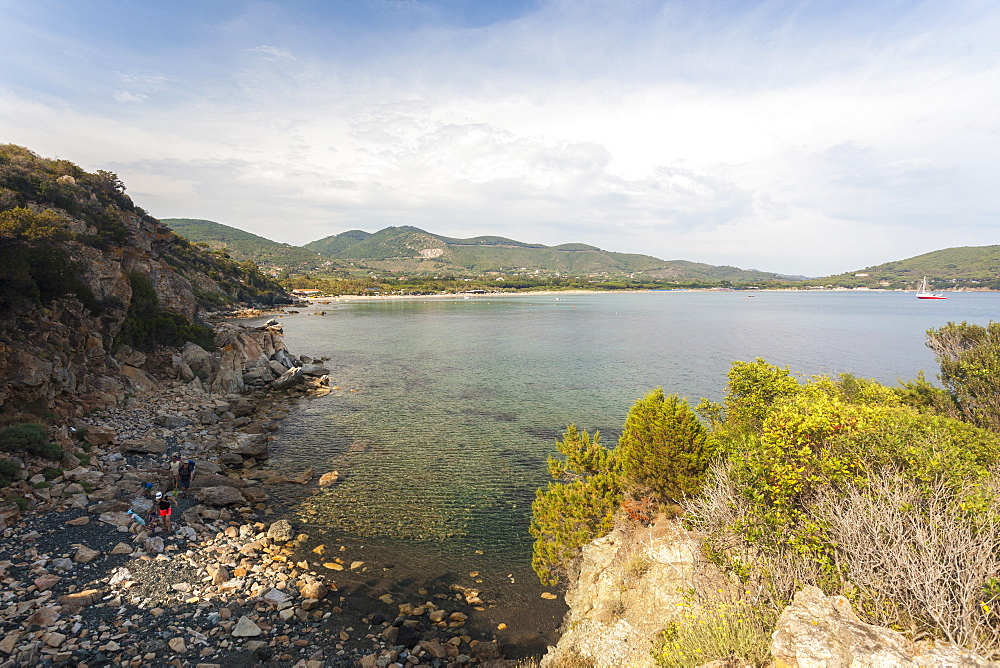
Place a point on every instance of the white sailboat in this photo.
(924, 293)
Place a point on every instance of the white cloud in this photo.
(128, 97)
(774, 137)
(271, 51)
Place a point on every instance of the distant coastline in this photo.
(556, 293)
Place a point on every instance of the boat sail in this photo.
(924, 293)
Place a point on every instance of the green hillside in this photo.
(409, 250)
(243, 246)
(331, 246)
(967, 267)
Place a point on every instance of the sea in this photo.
(445, 410)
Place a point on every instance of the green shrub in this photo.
(26, 437)
(83, 458)
(34, 266)
(42, 485)
(716, 630)
(765, 506)
(8, 469)
(52, 473)
(146, 326)
(19, 501)
(969, 356)
(568, 515)
(50, 451)
(664, 448)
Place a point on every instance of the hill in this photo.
(85, 275)
(410, 250)
(967, 267)
(243, 246)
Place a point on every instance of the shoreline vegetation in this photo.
(790, 490)
(557, 293)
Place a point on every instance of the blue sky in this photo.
(798, 137)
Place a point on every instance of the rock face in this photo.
(61, 355)
(616, 607)
(630, 586)
(818, 630)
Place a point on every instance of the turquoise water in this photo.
(457, 401)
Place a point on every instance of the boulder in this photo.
(290, 378)
(313, 590)
(245, 628)
(254, 495)
(140, 381)
(99, 435)
(280, 531)
(218, 573)
(84, 475)
(85, 555)
(171, 421)
(820, 630)
(229, 374)
(145, 446)
(221, 495)
(314, 370)
(153, 545)
(249, 445)
(80, 599)
(46, 616)
(328, 479)
(214, 480)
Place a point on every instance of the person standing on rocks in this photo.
(175, 464)
(185, 474)
(165, 506)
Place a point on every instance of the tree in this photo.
(568, 515)
(969, 357)
(664, 448)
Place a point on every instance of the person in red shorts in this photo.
(165, 506)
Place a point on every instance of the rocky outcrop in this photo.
(629, 586)
(818, 631)
(58, 328)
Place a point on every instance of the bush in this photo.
(969, 356)
(713, 629)
(795, 502)
(664, 448)
(52, 473)
(916, 557)
(26, 437)
(30, 438)
(8, 469)
(567, 516)
(146, 326)
(50, 451)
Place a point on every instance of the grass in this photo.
(713, 630)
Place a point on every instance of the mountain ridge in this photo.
(411, 250)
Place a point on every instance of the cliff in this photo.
(85, 274)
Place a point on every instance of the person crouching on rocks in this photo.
(165, 506)
(138, 524)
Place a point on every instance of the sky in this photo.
(800, 137)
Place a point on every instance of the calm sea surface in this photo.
(447, 409)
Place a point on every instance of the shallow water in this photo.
(456, 404)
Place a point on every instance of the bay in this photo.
(448, 408)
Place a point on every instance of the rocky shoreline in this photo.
(230, 585)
